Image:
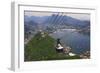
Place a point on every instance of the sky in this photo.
(81, 16)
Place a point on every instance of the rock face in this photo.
(66, 50)
(85, 55)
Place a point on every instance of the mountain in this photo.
(37, 19)
(31, 25)
(56, 19)
(39, 48)
(54, 22)
(30, 28)
(43, 48)
(66, 20)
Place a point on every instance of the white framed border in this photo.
(17, 51)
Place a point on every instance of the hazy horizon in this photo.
(80, 16)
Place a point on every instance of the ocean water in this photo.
(77, 41)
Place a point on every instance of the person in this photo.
(59, 47)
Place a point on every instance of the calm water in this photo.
(77, 41)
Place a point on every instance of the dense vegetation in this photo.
(43, 48)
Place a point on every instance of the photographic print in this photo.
(48, 36)
(56, 35)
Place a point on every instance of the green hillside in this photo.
(41, 47)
